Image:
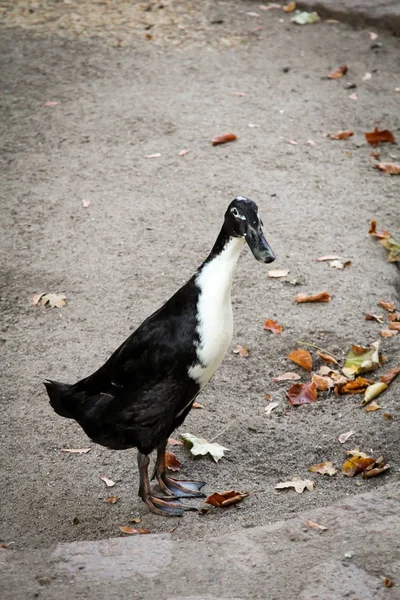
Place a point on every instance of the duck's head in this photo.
(242, 219)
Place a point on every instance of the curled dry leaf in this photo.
(51, 300)
(341, 135)
(197, 405)
(372, 317)
(353, 387)
(323, 383)
(111, 500)
(289, 7)
(379, 136)
(278, 273)
(378, 234)
(375, 469)
(135, 520)
(301, 358)
(327, 358)
(321, 297)
(391, 168)
(76, 450)
(362, 360)
(226, 498)
(362, 463)
(373, 391)
(388, 333)
(298, 484)
(270, 407)
(343, 437)
(395, 326)
(271, 325)
(171, 461)
(328, 257)
(373, 407)
(338, 264)
(390, 375)
(223, 139)
(325, 468)
(302, 393)
(241, 350)
(107, 481)
(316, 525)
(287, 377)
(394, 317)
(173, 442)
(132, 530)
(338, 73)
(387, 582)
(388, 416)
(387, 305)
(200, 446)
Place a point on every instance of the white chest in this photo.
(214, 312)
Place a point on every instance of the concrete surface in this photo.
(349, 561)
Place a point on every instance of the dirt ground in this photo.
(150, 224)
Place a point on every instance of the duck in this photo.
(147, 387)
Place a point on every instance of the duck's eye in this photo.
(235, 212)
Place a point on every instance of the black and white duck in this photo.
(148, 385)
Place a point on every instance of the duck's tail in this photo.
(56, 392)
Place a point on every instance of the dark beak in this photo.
(259, 246)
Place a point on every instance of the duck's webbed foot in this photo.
(165, 507)
(175, 487)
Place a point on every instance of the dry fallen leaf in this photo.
(298, 484)
(394, 317)
(76, 450)
(316, 525)
(362, 463)
(135, 520)
(132, 530)
(86, 203)
(51, 103)
(378, 234)
(325, 468)
(111, 500)
(341, 135)
(223, 139)
(362, 360)
(226, 498)
(327, 358)
(52, 300)
(200, 446)
(373, 391)
(389, 306)
(343, 437)
(372, 317)
(379, 136)
(270, 407)
(272, 326)
(197, 405)
(367, 76)
(328, 257)
(278, 272)
(171, 461)
(302, 393)
(107, 481)
(301, 358)
(394, 326)
(373, 407)
(321, 297)
(173, 442)
(390, 375)
(357, 386)
(353, 96)
(293, 142)
(338, 73)
(391, 168)
(184, 152)
(388, 416)
(287, 377)
(289, 7)
(338, 264)
(155, 155)
(375, 469)
(387, 582)
(323, 383)
(241, 350)
(388, 333)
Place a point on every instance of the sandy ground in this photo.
(152, 221)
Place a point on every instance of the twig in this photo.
(317, 347)
(223, 431)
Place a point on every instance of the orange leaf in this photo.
(390, 375)
(301, 358)
(302, 393)
(379, 136)
(391, 168)
(223, 139)
(173, 442)
(327, 358)
(395, 325)
(287, 377)
(321, 297)
(289, 7)
(226, 498)
(132, 530)
(377, 468)
(340, 135)
(316, 525)
(387, 333)
(354, 387)
(271, 325)
(171, 461)
(387, 305)
(322, 383)
(338, 73)
(197, 405)
(394, 317)
(382, 235)
(241, 350)
(111, 500)
(356, 464)
(325, 468)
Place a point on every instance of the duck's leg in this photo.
(174, 487)
(167, 507)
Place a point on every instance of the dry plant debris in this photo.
(378, 136)
(359, 462)
(171, 461)
(321, 297)
(325, 468)
(107, 481)
(227, 498)
(272, 326)
(297, 484)
(223, 139)
(201, 447)
(302, 393)
(51, 300)
(241, 350)
(338, 73)
(132, 530)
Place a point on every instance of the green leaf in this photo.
(393, 247)
(305, 18)
(362, 360)
(200, 446)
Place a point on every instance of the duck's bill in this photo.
(259, 246)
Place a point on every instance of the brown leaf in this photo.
(132, 530)
(226, 498)
(241, 350)
(135, 520)
(382, 235)
(394, 317)
(316, 525)
(327, 358)
(171, 461)
(76, 450)
(107, 481)
(388, 416)
(321, 297)
(387, 333)
(223, 139)
(287, 377)
(372, 317)
(387, 582)
(379, 136)
(376, 468)
(356, 464)
(302, 393)
(372, 407)
(173, 442)
(391, 168)
(338, 73)
(289, 7)
(197, 405)
(271, 325)
(343, 437)
(390, 375)
(387, 305)
(325, 468)
(395, 325)
(341, 135)
(298, 484)
(301, 358)
(111, 500)
(357, 386)
(322, 383)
